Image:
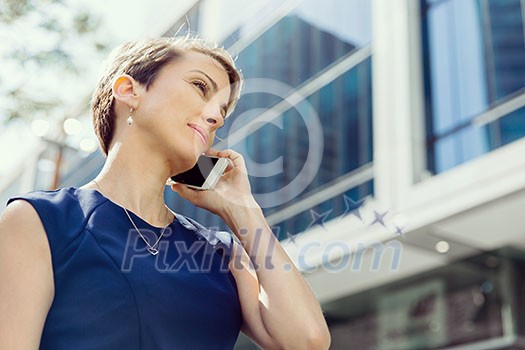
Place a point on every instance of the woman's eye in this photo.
(201, 86)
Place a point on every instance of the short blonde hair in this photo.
(143, 60)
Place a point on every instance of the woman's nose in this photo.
(212, 114)
(211, 120)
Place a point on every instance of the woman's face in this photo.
(184, 107)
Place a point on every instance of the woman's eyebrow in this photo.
(213, 83)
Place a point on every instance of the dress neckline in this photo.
(135, 216)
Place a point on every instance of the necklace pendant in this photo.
(153, 251)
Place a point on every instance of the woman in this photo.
(109, 266)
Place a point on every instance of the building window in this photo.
(474, 61)
(306, 40)
(297, 49)
(307, 50)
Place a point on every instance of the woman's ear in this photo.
(126, 90)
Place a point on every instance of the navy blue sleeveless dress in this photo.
(111, 293)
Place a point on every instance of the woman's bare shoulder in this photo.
(20, 220)
(22, 234)
(26, 276)
(17, 209)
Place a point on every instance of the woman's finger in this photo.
(236, 158)
(184, 191)
(212, 152)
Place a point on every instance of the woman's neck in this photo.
(136, 181)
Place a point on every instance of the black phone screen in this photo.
(197, 175)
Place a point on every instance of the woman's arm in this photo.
(279, 308)
(26, 277)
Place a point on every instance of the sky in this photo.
(128, 20)
(123, 20)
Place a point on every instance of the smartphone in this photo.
(204, 175)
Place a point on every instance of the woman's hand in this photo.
(232, 190)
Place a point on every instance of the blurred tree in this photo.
(47, 54)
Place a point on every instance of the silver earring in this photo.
(130, 117)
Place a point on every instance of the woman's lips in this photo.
(201, 132)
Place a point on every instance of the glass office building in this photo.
(385, 134)
(327, 134)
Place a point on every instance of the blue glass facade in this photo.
(474, 60)
(296, 50)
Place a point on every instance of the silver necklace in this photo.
(151, 248)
